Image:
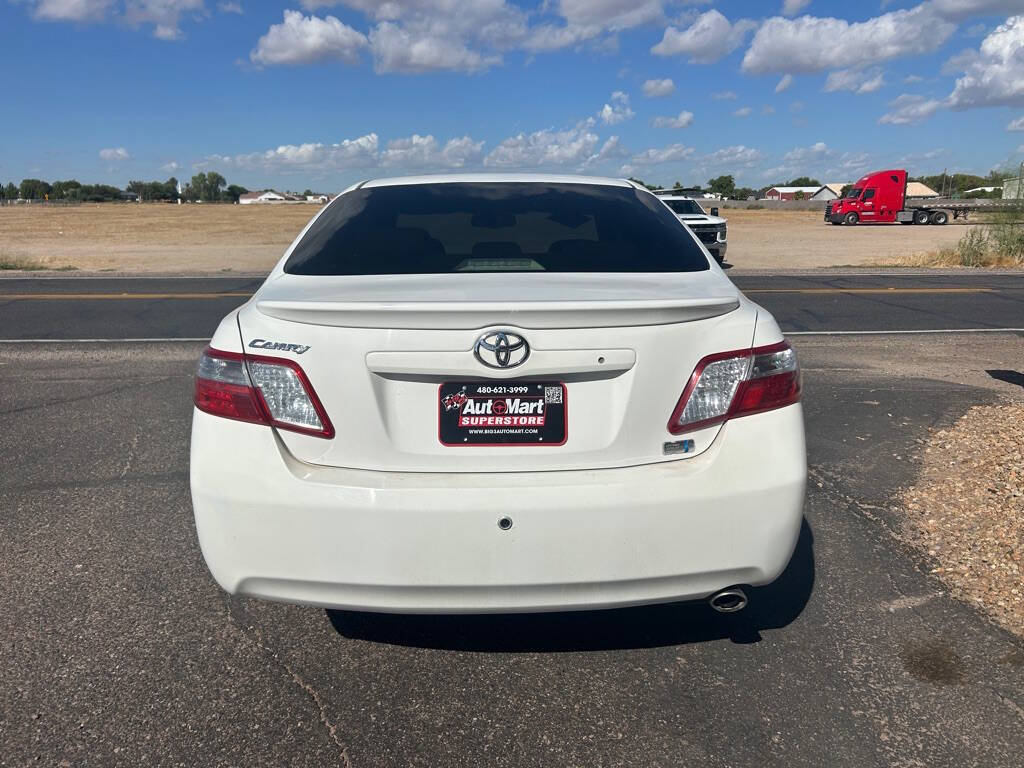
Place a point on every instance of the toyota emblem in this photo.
(501, 349)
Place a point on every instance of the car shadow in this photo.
(771, 607)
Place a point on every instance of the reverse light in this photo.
(728, 385)
(260, 390)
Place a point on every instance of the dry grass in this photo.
(967, 509)
(251, 238)
(949, 257)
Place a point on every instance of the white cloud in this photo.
(230, 6)
(170, 167)
(582, 20)
(724, 95)
(413, 36)
(681, 120)
(784, 83)
(163, 15)
(1016, 125)
(426, 152)
(804, 155)
(350, 153)
(738, 156)
(909, 108)
(813, 44)
(617, 110)
(396, 49)
(611, 149)
(912, 79)
(654, 89)
(705, 41)
(958, 10)
(854, 80)
(995, 75)
(304, 39)
(793, 7)
(767, 109)
(71, 10)
(671, 154)
(544, 148)
(114, 154)
(743, 112)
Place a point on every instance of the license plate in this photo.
(489, 413)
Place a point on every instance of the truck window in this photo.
(853, 193)
(869, 193)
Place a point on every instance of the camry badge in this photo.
(501, 349)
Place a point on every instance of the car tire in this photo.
(920, 217)
(851, 218)
(939, 217)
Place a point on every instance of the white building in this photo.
(266, 196)
(829, 191)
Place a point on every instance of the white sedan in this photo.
(491, 393)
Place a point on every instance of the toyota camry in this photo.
(490, 393)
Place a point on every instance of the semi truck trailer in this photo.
(881, 197)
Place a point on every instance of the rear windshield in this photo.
(684, 206)
(495, 227)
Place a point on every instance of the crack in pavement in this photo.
(309, 690)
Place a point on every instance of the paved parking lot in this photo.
(119, 648)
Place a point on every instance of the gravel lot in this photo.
(967, 508)
(213, 238)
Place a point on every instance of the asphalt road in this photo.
(119, 649)
(159, 308)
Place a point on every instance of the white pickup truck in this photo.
(710, 229)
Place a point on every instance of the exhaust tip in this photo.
(728, 600)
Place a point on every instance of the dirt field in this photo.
(213, 238)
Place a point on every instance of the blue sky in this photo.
(321, 93)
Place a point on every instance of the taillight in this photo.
(732, 384)
(261, 390)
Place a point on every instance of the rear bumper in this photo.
(272, 527)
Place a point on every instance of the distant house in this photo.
(789, 193)
(266, 196)
(917, 189)
(322, 199)
(989, 190)
(829, 191)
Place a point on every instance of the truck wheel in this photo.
(851, 218)
(939, 217)
(920, 217)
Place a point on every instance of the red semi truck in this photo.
(882, 197)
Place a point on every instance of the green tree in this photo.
(34, 189)
(802, 181)
(722, 185)
(799, 195)
(233, 192)
(214, 184)
(742, 193)
(677, 185)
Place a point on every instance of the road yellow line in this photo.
(872, 290)
(103, 296)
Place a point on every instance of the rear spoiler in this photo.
(451, 315)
